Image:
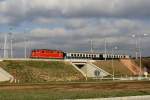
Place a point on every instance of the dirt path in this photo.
(135, 69)
(81, 86)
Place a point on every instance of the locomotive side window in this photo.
(42, 51)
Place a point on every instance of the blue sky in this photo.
(70, 24)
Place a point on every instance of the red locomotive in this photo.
(47, 54)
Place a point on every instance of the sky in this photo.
(69, 25)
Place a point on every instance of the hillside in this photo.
(132, 66)
(145, 63)
(119, 68)
(40, 71)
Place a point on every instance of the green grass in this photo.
(53, 95)
(40, 71)
(119, 68)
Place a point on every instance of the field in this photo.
(70, 90)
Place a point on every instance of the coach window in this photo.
(75, 55)
(72, 55)
(86, 55)
(107, 56)
(80, 55)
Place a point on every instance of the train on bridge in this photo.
(59, 54)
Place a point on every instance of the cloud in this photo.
(115, 31)
(70, 24)
(47, 32)
(26, 10)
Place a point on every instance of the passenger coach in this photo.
(84, 55)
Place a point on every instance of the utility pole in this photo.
(139, 46)
(112, 61)
(105, 50)
(25, 48)
(91, 46)
(136, 44)
(136, 52)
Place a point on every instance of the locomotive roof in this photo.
(85, 52)
(47, 50)
(94, 52)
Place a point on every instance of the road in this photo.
(147, 97)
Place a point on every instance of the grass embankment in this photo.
(40, 71)
(119, 68)
(145, 63)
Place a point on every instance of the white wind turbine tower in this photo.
(8, 45)
(25, 43)
(5, 47)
